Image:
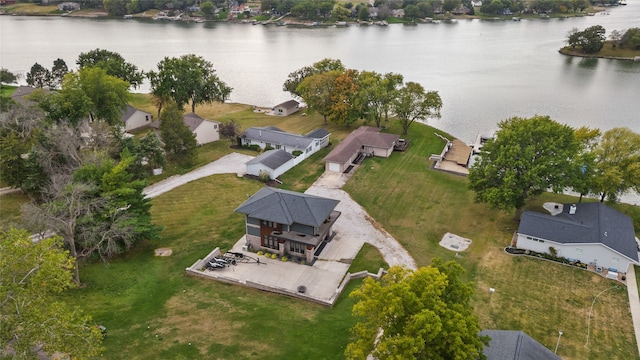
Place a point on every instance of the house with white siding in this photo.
(271, 162)
(271, 137)
(205, 131)
(364, 141)
(592, 233)
(133, 118)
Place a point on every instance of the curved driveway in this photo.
(353, 229)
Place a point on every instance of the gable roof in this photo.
(129, 111)
(288, 207)
(592, 223)
(290, 104)
(191, 120)
(362, 136)
(273, 135)
(516, 345)
(272, 159)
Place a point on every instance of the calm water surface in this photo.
(485, 71)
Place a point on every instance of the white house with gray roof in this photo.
(288, 223)
(590, 232)
(286, 108)
(272, 162)
(133, 118)
(271, 137)
(204, 130)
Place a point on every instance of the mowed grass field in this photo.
(138, 296)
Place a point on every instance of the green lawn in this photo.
(139, 296)
(418, 205)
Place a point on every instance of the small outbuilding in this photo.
(272, 162)
(286, 108)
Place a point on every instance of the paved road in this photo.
(634, 301)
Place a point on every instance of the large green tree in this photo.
(58, 71)
(178, 140)
(32, 275)
(295, 78)
(590, 40)
(421, 314)
(617, 166)
(376, 94)
(113, 64)
(187, 79)
(413, 103)
(39, 76)
(7, 77)
(18, 129)
(89, 93)
(316, 91)
(527, 157)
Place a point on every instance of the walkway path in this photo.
(634, 301)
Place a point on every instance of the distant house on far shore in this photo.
(286, 108)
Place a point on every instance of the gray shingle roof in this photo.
(287, 207)
(592, 223)
(273, 135)
(318, 133)
(191, 120)
(129, 111)
(289, 104)
(272, 159)
(515, 345)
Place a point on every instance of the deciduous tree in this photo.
(296, 77)
(617, 163)
(178, 140)
(32, 274)
(39, 76)
(113, 64)
(316, 91)
(413, 103)
(7, 77)
(230, 130)
(527, 157)
(590, 40)
(187, 79)
(422, 314)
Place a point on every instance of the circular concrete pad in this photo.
(454, 242)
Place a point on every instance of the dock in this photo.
(454, 157)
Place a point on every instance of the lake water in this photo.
(485, 71)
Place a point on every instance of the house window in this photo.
(248, 141)
(296, 247)
(215, 126)
(579, 251)
(270, 224)
(270, 242)
(615, 259)
(309, 149)
(278, 147)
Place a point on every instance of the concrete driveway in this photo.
(229, 164)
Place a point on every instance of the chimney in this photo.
(572, 209)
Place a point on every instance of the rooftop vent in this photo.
(572, 209)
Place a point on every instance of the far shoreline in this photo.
(568, 52)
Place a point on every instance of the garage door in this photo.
(334, 167)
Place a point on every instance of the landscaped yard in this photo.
(139, 296)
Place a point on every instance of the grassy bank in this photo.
(608, 52)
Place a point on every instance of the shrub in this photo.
(274, 256)
(264, 176)
(297, 153)
(266, 148)
(284, 258)
(259, 253)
